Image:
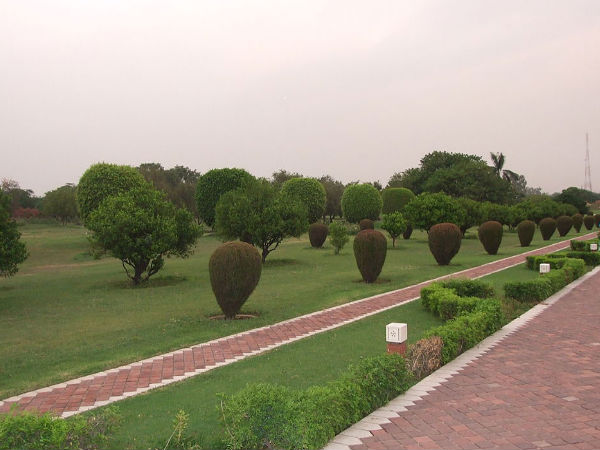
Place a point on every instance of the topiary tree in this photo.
(408, 232)
(12, 250)
(490, 235)
(426, 210)
(394, 224)
(212, 185)
(140, 227)
(235, 269)
(588, 221)
(308, 191)
(361, 201)
(366, 224)
(547, 227)
(338, 236)
(444, 242)
(526, 230)
(395, 199)
(370, 248)
(577, 222)
(564, 225)
(102, 181)
(317, 233)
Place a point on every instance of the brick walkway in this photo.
(539, 387)
(102, 388)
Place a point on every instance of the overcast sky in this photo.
(355, 89)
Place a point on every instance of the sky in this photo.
(358, 90)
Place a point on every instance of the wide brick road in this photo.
(102, 388)
(538, 388)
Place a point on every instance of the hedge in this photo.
(590, 258)
(583, 245)
(459, 287)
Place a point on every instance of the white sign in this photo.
(396, 332)
(544, 268)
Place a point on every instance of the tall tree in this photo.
(12, 250)
(498, 161)
(61, 203)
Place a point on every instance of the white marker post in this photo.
(396, 335)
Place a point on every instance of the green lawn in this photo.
(65, 315)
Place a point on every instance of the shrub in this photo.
(588, 221)
(490, 235)
(495, 212)
(473, 213)
(425, 356)
(408, 232)
(395, 199)
(577, 245)
(12, 250)
(317, 233)
(235, 269)
(556, 261)
(456, 297)
(577, 222)
(308, 191)
(366, 224)
(426, 210)
(361, 201)
(547, 227)
(564, 225)
(394, 224)
(590, 258)
(466, 287)
(338, 236)
(370, 248)
(444, 242)
(526, 230)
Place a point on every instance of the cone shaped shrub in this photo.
(588, 221)
(366, 224)
(547, 227)
(370, 248)
(564, 225)
(597, 220)
(235, 269)
(490, 235)
(408, 231)
(526, 230)
(577, 222)
(317, 233)
(444, 242)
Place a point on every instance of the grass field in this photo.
(65, 315)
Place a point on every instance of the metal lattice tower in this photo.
(587, 184)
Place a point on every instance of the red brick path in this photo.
(113, 385)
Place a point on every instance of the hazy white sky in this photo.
(355, 89)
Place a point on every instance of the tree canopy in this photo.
(308, 191)
(12, 250)
(61, 203)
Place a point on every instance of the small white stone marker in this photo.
(594, 247)
(395, 336)
(544, 268)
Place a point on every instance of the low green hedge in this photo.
(582, 246)
(590, 258)
(449, 298)
(269, 416)
(556, 261)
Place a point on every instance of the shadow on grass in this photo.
(281, 262)
(377, 281)
(168, 280)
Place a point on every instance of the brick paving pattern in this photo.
(538, 388)
(102, 388)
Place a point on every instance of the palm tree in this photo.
(498, 162)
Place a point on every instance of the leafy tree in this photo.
(535, 208)
(573, 196)
(308, 191)
(498, 160)
(19, 198)
(12, 250)
(395, 199)
(102, 181)
(61, 203)
(141, 227)
(394, 224)
(426, 210)
(212, 185)
(282, 175)
(410, 179)
(361, 201)
(258, 214)
(473, 213)
(496, 213)
(338, 236)
(333, 191)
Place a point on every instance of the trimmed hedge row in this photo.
(590, 258)
(454, 297)
(582, 246)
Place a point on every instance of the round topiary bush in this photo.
(395, 199)
(490, 235)
(577, 222)
(588, 221)
(317, 233)
(564, 225)
(547, 227)
(407, 232)
(235, 269)
(361, 201)
(370, 248)
(308, 191)
(526, 230)
(366, 224)
(444, 242)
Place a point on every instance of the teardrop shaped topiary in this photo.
(577, 222)
(235, 269)
(490, 235)
(564, 225)
(317, 233)
(370, 248)
(547, 227)
(366, 224)
(444, 242)
(407, 232)
(526, 230)
(588, 221)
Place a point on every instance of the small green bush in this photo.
(564, 225)
(590, 258)
(490, 235)
(577, 222)
(338, 236)
(317, 233)
(370, 248)
(394, 224)
(444, 242)
(408, 232)
(547, 227)
(583, 246)
(556, 261)
(235, 269)
(526, 230)
(588, 221)
(466, 287)
(361, 201)
(454, 297)
(395, 199)
(308, 191)
(366, 224)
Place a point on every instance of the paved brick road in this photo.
(102, 388)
